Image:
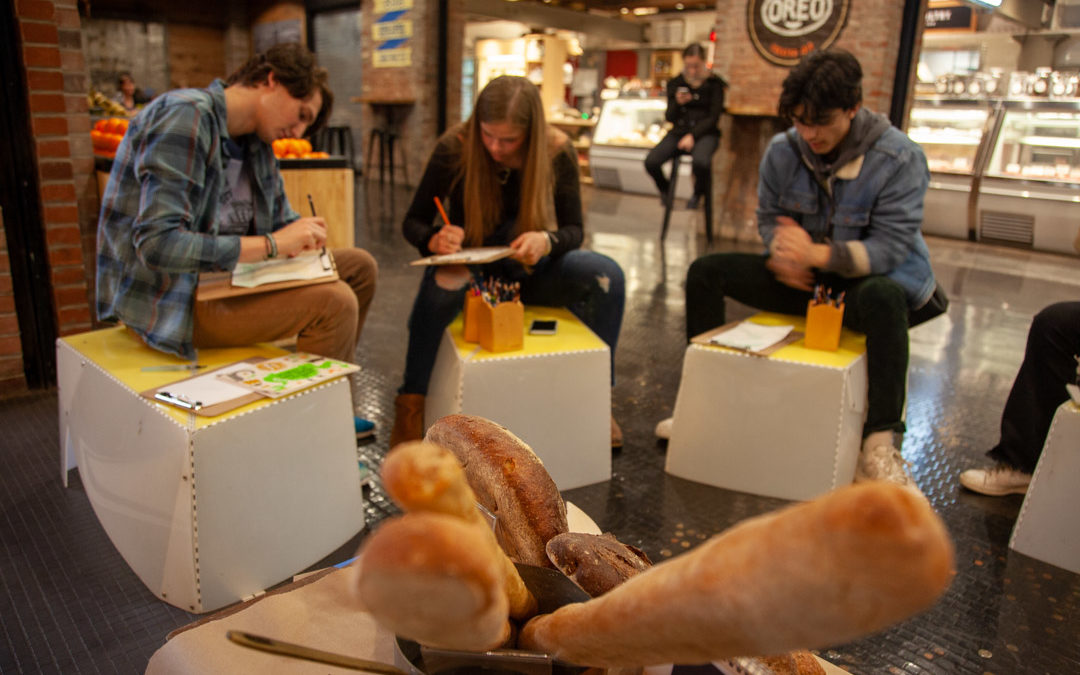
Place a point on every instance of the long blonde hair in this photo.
(516, 101)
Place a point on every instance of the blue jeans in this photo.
(588, 284)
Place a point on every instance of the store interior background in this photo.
(168, 45)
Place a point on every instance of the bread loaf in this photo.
(509, 480)
(818, 573)
(597, 563)
(795, 663)
(432, 578)
(422, 476)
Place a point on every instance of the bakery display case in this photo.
(951, 133)
(625, 132)
(1002, 171)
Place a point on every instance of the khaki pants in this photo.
(326, 318)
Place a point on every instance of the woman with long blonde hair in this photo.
(502, 176)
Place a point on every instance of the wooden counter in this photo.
(328, 181)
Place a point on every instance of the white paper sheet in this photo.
(208, 389)
(308, 266)
(752, 337)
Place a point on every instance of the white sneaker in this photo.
(997, 481)
(883, 462)
(663, 428)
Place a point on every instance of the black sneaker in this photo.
(693, 202)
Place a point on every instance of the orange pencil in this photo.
(442, 211)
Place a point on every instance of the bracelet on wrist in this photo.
(271, 246)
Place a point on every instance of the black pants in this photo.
(667, 148)
(1053, 340)
(875, 305)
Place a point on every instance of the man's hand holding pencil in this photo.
(448, 238)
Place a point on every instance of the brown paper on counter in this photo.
(320, 614)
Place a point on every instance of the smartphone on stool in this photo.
(543, 327)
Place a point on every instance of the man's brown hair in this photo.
(294, 67)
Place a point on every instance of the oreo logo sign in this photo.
(783, 31)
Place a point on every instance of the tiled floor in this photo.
(68, 602)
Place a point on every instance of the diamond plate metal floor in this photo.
(69, 603)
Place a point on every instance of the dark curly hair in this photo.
(821, 82)
(295, 69)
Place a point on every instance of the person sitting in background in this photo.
(695, 102)
(128, 95)
(1050, 362)
(840, 203)
(497, 173)
(195, 188)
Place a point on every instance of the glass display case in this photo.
(949, 132)
(1002, 171)
(1038, 143)
(625, 132)
(631, 122)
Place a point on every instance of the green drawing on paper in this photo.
(303, 371)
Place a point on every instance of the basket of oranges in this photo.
(295, 148)
(107, 134)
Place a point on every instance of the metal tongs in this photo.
(292, 650)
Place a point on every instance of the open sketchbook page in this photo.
(207, 390)
(468, 256)
(751, 337)
(308, 266)
(289, 373)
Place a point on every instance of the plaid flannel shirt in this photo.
(159, 215)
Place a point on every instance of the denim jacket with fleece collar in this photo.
(876, 207)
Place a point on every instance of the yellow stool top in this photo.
(123, 355)
(571, 336)
(852, 344)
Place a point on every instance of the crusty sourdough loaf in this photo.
(509, 480)
(434, 579)
(814, 574)
(597, 563)
(422, 476)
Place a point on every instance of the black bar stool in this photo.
(336, 141)
(386, 136)
(673, 182)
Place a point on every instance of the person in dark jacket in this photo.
(695, 102)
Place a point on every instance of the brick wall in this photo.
(418, 123)
(56, 78)
(11, 363)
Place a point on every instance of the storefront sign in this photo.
(392, 30)
(949, 17)
(783, 31)
(384, 6)
(398, 57)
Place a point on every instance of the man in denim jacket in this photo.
(840, 204)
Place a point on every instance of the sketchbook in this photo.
(206, 394)
(468, 256)
(269, 275)
(286, 374)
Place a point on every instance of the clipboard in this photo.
(185, 394)
(468, 256)
(706, 337)
(218, 285)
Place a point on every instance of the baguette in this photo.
(814, 574)
(509, 480)
(431, 578)
(423, 476)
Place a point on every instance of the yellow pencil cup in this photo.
(823, 323)
(474, 304)
(502, 327)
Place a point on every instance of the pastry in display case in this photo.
(627, 129)
(949, 132)
(1038, 143)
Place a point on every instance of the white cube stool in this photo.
(554, 393)
(788, 425)
(206, 510)
(1045, 528)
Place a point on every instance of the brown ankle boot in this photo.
(408, 419)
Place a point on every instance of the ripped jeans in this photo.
(589, 284)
